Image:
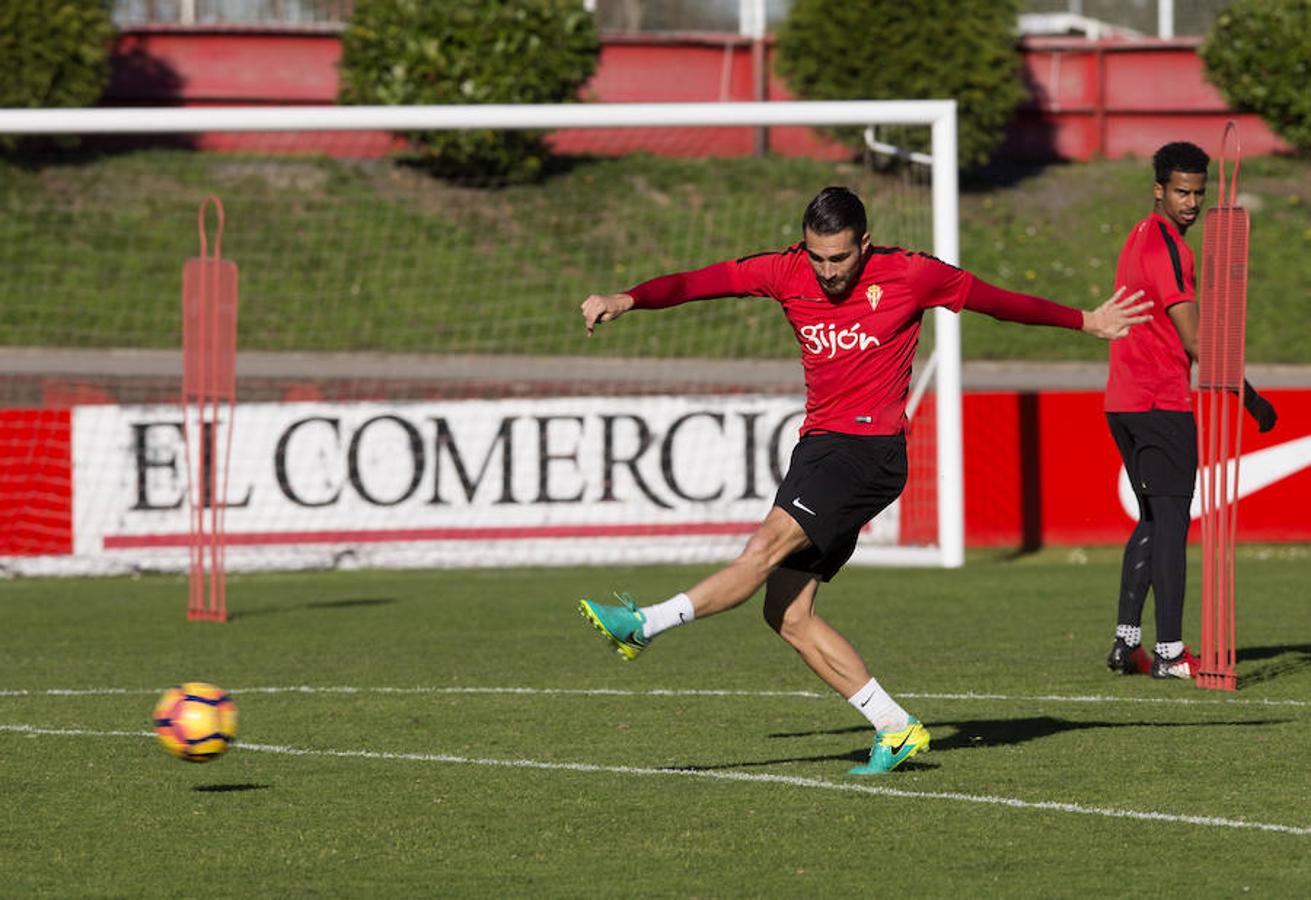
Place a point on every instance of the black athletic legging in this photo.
(1156, 557)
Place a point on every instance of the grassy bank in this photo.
(376, 256)
(1058, 233)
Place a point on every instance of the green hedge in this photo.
(1259, 55)
(894, 50)
(53, 53)
(455, 52)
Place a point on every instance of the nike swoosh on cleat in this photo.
(1256, 471)
(796, 501)
(897, 749)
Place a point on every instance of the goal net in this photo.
(414, 387)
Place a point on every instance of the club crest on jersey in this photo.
(874, 293)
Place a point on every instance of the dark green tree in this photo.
(1259, 55)
(458, 52)
(53, 53)
(894, 50)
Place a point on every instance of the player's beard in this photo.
(840, 286)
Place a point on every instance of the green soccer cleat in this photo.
(892, 748)
(622, 625)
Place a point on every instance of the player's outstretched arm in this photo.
(715, 280)
(1117, 315)
(1112, 319)
(599, 308)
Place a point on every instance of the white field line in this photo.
(668, 692)
(750, 777)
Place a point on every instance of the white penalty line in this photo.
(718, 775)
(674, 692)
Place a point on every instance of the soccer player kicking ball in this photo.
(1150, 412)
(856, 311)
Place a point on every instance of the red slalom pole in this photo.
(209, 394)
(1220, 365)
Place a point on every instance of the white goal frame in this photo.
(939, 115)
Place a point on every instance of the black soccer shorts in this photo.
(1159, 449)
(834, 485)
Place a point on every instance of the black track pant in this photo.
(1159, 449)
(1156, 557)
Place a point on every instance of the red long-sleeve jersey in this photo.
(856, 350)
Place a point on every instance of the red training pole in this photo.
(209, 394)
(1221, 338)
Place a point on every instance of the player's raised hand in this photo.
(1116, 316)
(599, 308)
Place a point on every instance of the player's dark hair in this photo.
(1179, 156)
(834, 210)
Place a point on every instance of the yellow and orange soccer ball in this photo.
(196, 721)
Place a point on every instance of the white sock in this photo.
(673, 612)
(874, 704)
(1169, 649)
(1130, 634)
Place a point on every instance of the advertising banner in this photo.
(1041, 469)
(460, 483)
(587, 480)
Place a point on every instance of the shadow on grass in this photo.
(1002, 174)
(1004, 732)
(853, 757)
(1298, 660)
(229, 788)
(968, 734)
(346, 603)
(972, 733)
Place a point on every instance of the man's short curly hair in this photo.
(1180, 156)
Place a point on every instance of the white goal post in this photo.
(939, 116)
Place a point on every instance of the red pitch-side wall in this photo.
(1118, 98)
(199, 67)
(193, 67)
(1089, 98)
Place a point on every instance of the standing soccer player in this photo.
(856, 311)
(1149, 408)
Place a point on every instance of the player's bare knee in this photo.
(757, 558)
(787, 619)
(790, 631)
(764, 551)
(778, 537)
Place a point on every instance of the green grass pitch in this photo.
(468, 734)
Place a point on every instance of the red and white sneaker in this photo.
(1185, 665)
